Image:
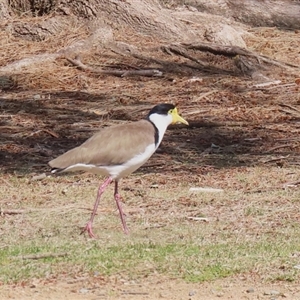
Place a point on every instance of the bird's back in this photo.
(111, 146)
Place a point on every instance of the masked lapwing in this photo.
(117, 151)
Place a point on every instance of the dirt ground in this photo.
(233, 123)
(154, 287)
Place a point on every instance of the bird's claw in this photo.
(88, 228)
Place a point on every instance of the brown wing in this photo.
(110, 146)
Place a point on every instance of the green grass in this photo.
(190, 261)
(246, 233)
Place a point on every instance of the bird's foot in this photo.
(88, 228)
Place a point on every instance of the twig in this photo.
(291, 184)
(35, 133)
(275, 85)
(198, 219)
(134, 293)
(262, 86)
(153, 165)
(6, 182)
(205, 190)
(288, 140)
(11, 211)
(287, 111)
(44, 255)
(77, 280)
(60, 209)
(276, 159)
(253, 139)
(155, 226)
(279, 147)
(205, 95)
(122, 73)
(51, 133)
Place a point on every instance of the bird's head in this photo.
(166, 112)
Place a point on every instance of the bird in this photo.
(117, 151)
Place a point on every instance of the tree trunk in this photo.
(144, 18)
(283, 14)
(109, 23)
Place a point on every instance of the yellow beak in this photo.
(177, 118)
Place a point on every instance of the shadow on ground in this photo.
(38, 127)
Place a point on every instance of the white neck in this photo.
(161, 122)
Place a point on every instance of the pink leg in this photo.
(89, 224)
(122, 216)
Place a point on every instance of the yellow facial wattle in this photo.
(176, 118)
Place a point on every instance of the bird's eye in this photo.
(170, 111)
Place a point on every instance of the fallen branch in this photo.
(121, 73)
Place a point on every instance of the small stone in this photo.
(192, 293)
(297, 267)
(38, 177)
(250, 290)
(272, 293)
(83, 291)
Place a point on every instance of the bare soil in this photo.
(154, 287)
